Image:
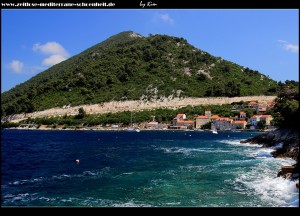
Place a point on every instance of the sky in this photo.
(264, 40)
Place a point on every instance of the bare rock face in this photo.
(289, 172)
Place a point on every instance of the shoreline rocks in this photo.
(289, 138)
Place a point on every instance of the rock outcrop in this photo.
(289, 138)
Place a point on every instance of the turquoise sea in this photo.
(150, 168)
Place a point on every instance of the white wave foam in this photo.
(26, 181)
(262, 180)
(263, 153)
(60, 177)
(238, 143)
(189, 151)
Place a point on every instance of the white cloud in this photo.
(53, 59)
(288, 46)
(56, 51)
(165, 18)
(50, 48)
(16, 66)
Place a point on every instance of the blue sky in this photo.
(263, 40)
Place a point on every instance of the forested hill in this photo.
(129, 66)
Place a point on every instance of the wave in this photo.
(98, 173)
(238, 143)
(25, 198)
(261, 181)
(189, 151)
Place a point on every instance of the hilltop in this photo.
(129, 66)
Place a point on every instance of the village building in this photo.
(201, 120)
(179, 122)
(261, 108)
(222, 124)
(152, 125)
(252, 104)
(254, 120)
(242, 115)
(240, 124)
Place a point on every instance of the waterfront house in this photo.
(201, 120)
(222, 124)
(254, 120)
(179, 122)
(152, 125)
(240, 124)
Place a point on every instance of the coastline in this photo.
(44, 127)
(286, 145)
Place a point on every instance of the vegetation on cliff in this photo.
(128, 66)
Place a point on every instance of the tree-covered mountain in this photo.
(129, 66)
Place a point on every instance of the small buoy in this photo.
(190, 135)
(77, 161)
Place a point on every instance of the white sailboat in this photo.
(132, 129)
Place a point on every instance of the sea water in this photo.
(150, 168)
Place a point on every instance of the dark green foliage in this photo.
(126, 68)
(286, 109)
(261, 125)
(8, 124)
(206, 126)
(81, 113)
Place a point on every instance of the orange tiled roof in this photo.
(202, 117)
(239, 122)
(265, 116)
(180, 114)
(253, 102)
(215, 117)
(186, 121)
(224, 119)
(242, 113)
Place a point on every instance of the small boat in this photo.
(214, 131)
(133, 130)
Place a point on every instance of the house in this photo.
(254, 120)
(183, 124)
(179, 122)
(222, 124)
(180, 116)
(202, 120)
(253, 104)
(267, 119)
(214, 117)
(261, 108)
(241, 124)
(152, 124)
(242, 115)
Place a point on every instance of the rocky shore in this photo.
(289, 140)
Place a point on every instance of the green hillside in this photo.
(128, 66)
